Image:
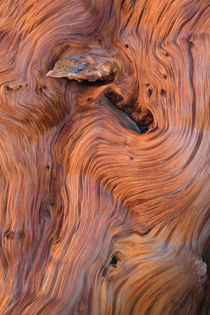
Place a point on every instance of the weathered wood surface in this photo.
(102, 210)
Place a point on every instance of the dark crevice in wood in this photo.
(149, 92)
(113, 263)
(142, 116)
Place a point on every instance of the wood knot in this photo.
(88, 65)
(163, 92)
(9, 235)
(114, 261)
(144, 119)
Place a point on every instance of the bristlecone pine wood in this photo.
(104, 157)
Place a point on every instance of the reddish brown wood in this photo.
(104, 143)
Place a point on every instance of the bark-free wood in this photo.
(104, 142)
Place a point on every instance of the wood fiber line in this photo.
(104, 157)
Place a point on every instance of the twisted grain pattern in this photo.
(103, 184)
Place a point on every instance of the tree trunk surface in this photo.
(104, 143)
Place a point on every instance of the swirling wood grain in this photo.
(104, 157)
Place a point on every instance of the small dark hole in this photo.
(42, 88)
(114, 261)
(166, 54)
(149, 92)
(89, 99)
(165, 76)
(126, 46)
(147, 84)
(131, 158)
(52, 202)
(163, 92)
(47, 167)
